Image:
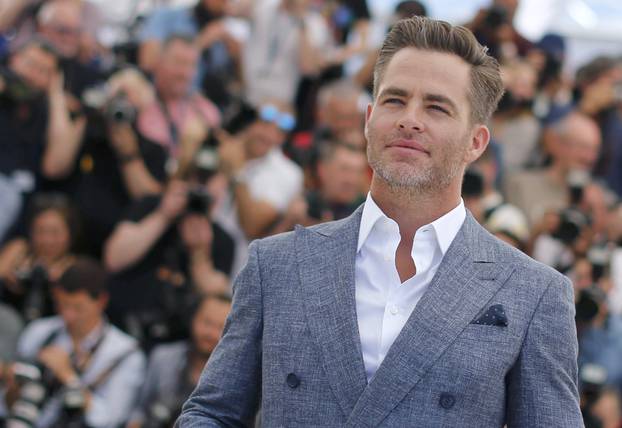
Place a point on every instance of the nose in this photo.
(410, 120)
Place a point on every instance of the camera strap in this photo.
(189, 103)
(111, 368)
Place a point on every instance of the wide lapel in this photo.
(466, 280)
(326, 257)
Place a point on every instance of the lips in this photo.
(408, 145)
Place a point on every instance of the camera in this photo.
(25, 411)
(120, 110)
(73, 405)
(199, 201)
(159, 416)
(15, 89)
(114, 108)
(571, 224)
(37, 302)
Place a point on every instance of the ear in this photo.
(480, 138)
(102, 301)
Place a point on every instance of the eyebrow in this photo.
(437, 98)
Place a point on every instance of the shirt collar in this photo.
(445, 227)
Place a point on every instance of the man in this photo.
(217, 35)
(573, 144)
(179, 111)
(342, 174)
(262, 181)
(80, 350)
(343, 324)
(33, 115)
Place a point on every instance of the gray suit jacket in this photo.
(291, 343)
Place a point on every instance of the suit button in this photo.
(293, 381)
(447, 401)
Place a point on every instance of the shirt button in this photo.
(394, 310)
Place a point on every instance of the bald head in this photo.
(60, 22)
(576, 142)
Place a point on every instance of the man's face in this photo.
(176, 69)
(64, 28)
(342, 176)
(418, 129)
(216, 7)
(35, 66)
(579, 145)
(208, 324)
(341, 116)
(80, 312)
(50, 235)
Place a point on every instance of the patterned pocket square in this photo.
(495, 315)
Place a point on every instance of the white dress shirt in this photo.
(383, 302)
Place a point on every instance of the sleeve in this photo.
(156, 26)
(148, 390)
(228, 391)
(542, 385)
(112, 403)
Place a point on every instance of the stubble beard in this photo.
(418, 179)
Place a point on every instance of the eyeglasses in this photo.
(283, 120)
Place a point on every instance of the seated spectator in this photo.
(217, 36)
(32, 113)
(178, 112)
(263, 182)
(29, 265)
(164, 253)
(174, 369)
(92, 371)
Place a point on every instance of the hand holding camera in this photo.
(174, 200)
(57, 360)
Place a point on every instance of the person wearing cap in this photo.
(263, 182)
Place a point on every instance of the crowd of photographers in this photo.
(141, 153)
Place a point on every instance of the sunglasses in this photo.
(283, 120)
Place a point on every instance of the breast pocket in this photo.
(486, 333)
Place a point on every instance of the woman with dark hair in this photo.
(174, 368)
(29, 264)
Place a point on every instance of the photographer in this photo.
(174, 369)
(91, 371)
(32, 115)
(113, 160)
(163, 253)
(262, 181)
(28, 265)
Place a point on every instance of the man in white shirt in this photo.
(407, 313)
(79, 351)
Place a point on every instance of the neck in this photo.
(558, 172)
(79, 335)
(412, 208)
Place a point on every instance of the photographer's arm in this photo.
(10, 11)
(64, 135)
(197, 235)
(130, 241)
(137, 179)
